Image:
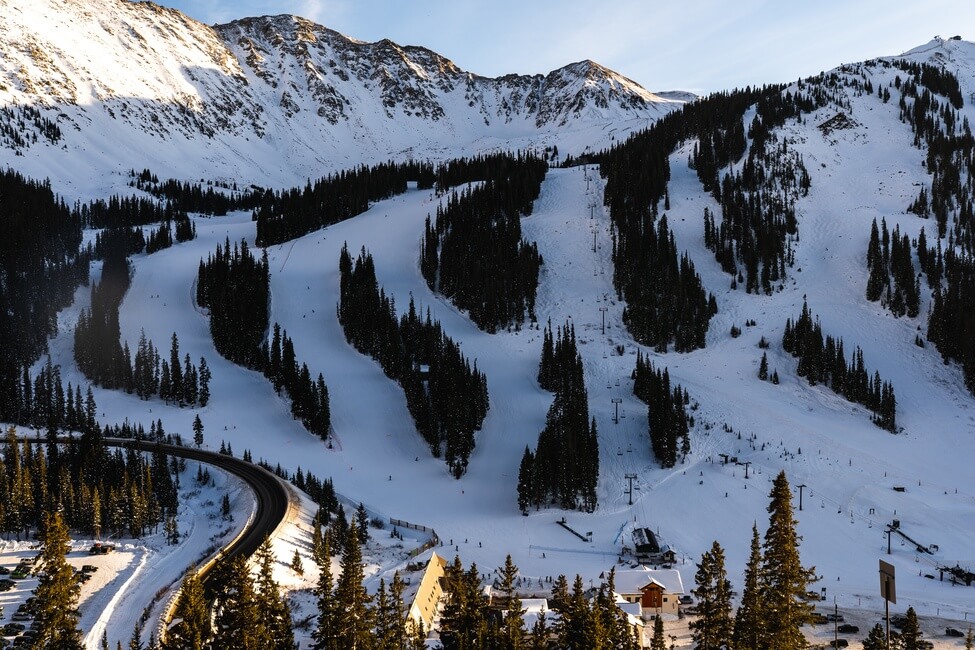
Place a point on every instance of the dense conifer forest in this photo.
(235, 289)
(41, 264)
(447, 397)
(286, 215)
(100, 491)
(564, 468)
(473, 251)
(822, 360)
(667, 416)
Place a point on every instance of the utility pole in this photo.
(800, 495)
(836, 630)
(629, 489)
(604, 310)
(593, 240)
(746, 464)
(616, 403)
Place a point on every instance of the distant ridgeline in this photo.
(473, 253)
(235, 289)
(447, 397)
(823, 361)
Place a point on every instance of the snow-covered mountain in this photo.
(272, 99)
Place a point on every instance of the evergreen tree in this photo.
(197, 431)
(784, 579)
(353, 619)
(362, 523)
(658, 642)
(714, 627)
(239, 622)
(325, 634)
(749, 619)
(575, 628)
(539, 633)
(462, 620)
(763, 367)
(513, 624)
(911, 632)
(296, 564)
(193, 629)
(876, 639)
(57, 590)
(274, 610)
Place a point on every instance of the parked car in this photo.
(837, 618)
(817, 619)
(838, 643)
(950, 631)
(846, 628)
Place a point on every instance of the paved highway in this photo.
(270, 492)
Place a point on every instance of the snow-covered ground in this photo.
(127, 580)
(847, 466)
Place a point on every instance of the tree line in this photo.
(889, 255)
(235, 288)
(289, 214)
(99, 491)
(445, 394)
(42, 262)
(195, 197)
(472, 620)
(822, 360)
(109, 363)
(473, 252)
(564, 468)
(667, 418)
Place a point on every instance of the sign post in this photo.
(887, 591)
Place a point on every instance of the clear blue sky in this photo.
(696, 45)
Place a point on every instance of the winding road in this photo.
(271, 494)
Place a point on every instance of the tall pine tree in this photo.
(784, 579)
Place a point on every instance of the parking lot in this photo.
(95, 573)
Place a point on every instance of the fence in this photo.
(430, 543)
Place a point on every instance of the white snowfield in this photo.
(848, 467)
(275, 100)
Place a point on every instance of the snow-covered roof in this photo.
(534, 609)
(633, 581)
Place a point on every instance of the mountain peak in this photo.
(300, 96)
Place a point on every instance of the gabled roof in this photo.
(635, 580)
